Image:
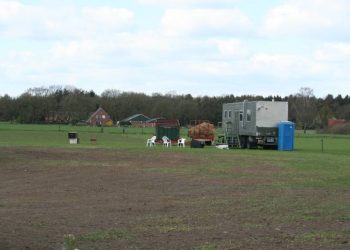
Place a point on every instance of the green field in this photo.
(268, 199)
(132, 138)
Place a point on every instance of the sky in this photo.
(198, 47)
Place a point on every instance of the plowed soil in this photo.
(110, 199)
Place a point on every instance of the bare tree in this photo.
(305, 108)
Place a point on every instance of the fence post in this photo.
(322, 144)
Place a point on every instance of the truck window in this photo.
(249, 115)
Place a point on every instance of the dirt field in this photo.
(112, 199)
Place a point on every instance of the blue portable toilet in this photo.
(286, 136)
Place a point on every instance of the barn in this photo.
(100, 117)
(135, 120)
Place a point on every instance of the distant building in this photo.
(99, 118)
(151, 123)
(136, 118)
(155, 120)
(333, 121)
(59, 117)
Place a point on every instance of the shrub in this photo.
(108, 123)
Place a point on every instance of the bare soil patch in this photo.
(112, 199)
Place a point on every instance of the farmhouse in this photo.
(100, 117)
(333, 121)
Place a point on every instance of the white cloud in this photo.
(8, 9)
(24, 64)
(333, 52)
(189, 3)
(120, 47)
(335, 57)
(108, 16)
(281, 67)
(146, 44)
(286, 66)
(312, 17)
(82, 49)
(205, 22)
(230, 48)
(201, 47)
(63, 21)
(193, 67)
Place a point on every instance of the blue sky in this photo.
(201, 47)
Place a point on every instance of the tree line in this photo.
(72, 105)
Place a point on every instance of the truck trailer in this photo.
(202, 130)
(250, 124)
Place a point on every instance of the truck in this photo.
(250, 124)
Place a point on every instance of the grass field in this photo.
(118, 194)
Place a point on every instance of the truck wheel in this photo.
(251, 142)
(243, 141)
(271, 147)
